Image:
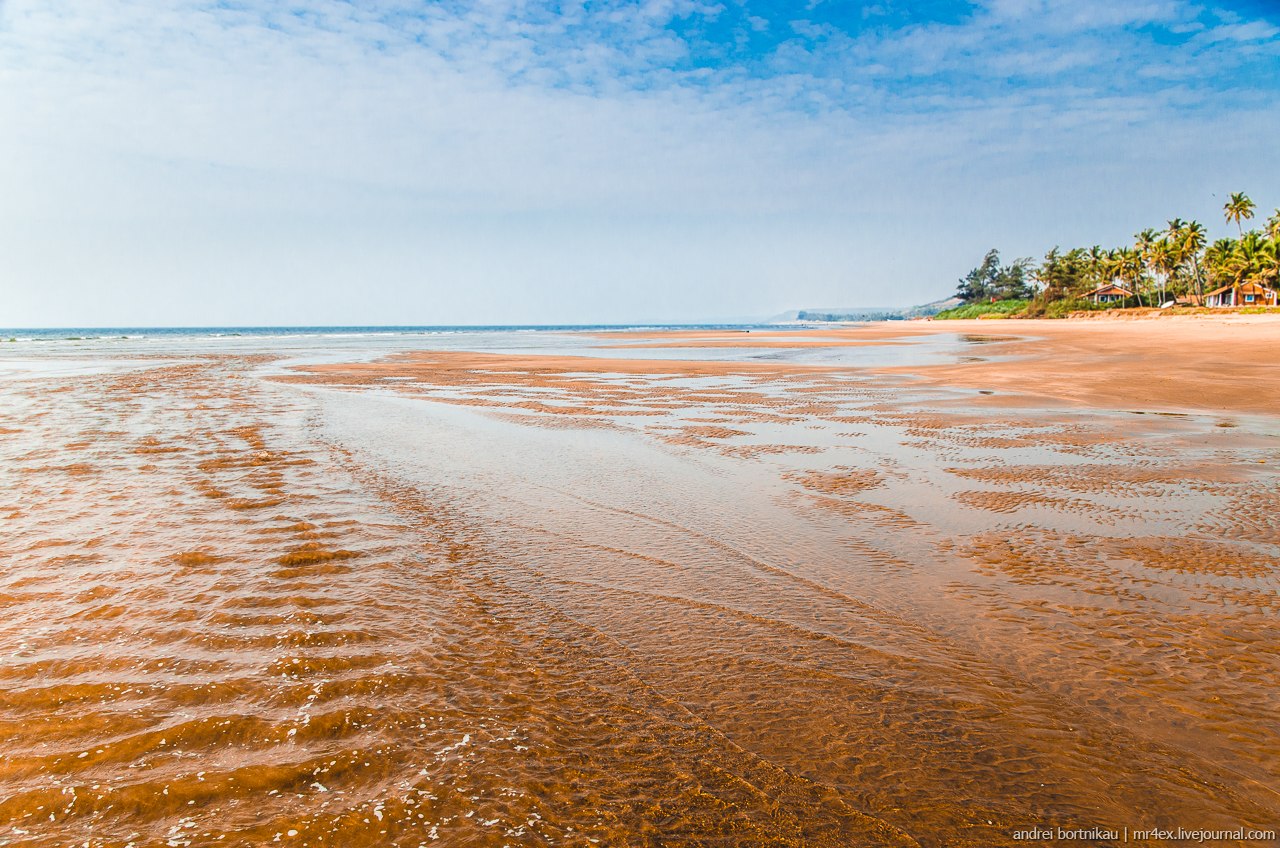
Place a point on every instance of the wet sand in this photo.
(1191, 362)
(456, 598)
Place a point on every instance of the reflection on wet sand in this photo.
(464, 600)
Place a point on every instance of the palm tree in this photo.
(1096, 262)
(1270, 256)
(1272, 228)
(1163, 259)
(1145, 239)
(1173, 235)
(1190, 241)
(1247, 263)
(1238, 208)
(1128, 267)
(1108, 267)
(1145, 242)
(1216, 259)
(1265, 260)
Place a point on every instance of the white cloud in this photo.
(566, 166)
(1253, 31)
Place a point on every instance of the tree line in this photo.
(1161, 265)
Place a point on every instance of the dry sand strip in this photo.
(1190, 364)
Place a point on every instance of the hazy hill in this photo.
(865, 313)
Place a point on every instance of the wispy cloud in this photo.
(774, 145)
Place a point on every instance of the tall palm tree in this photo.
(1238, 208)
(1096, 262)
(1190, 241)
(1145, 239)
(1145, 246)
(1128, 268)
(1173, 235)
(1163, 260)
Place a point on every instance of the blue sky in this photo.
(317, 161)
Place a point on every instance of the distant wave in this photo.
(95, 334)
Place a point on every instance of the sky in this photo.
(267, 162)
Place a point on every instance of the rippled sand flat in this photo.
(460, 599)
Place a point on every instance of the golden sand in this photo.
(1191, 362)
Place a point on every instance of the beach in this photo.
(906, 583)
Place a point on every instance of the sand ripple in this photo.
(739, 607)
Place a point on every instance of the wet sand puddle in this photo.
(426, 602)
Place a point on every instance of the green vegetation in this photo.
(998, 309)
(1039, 308)
(992, 281)
(1173, 264)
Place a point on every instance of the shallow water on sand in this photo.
(562, 608)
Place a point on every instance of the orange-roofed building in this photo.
(1110, 293)
(1249, 294)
